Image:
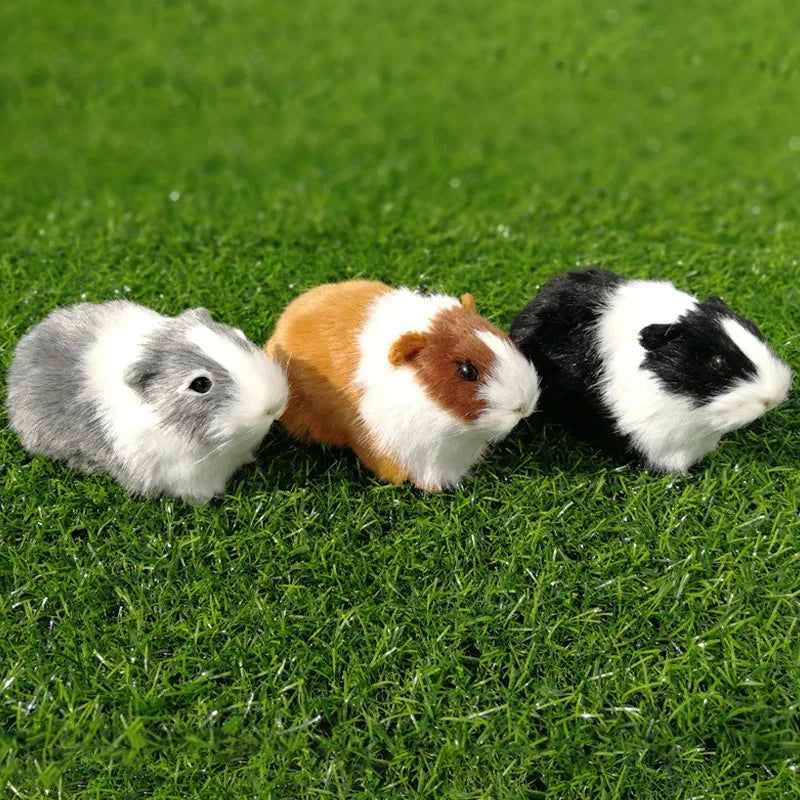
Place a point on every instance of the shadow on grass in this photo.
(288, 462)
(534, 448)
(543, 447)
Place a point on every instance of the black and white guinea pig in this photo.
(645, 369)
(161, 404)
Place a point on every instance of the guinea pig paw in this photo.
(198, 499)
(428, 487)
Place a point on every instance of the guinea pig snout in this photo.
(775, 400)
(778, 395)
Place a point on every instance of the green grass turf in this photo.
(558, 627)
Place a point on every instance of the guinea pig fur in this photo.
(417, 385)
(645, 369)
(161, 404)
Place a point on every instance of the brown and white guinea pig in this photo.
(417, 385)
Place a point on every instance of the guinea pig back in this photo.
(315, 341)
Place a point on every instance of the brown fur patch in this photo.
(315, 339)
(452, 339)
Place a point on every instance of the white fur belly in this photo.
(434, 447)
(445, 463)
(185, 471)
(672, 447)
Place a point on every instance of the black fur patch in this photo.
(694, 357)
(557, 332)
(717, 304)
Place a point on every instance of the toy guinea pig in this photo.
(645, 369)
(161, 404)
(416, 385)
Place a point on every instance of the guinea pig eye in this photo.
(718, 363)
(467, 371)
(201, 385)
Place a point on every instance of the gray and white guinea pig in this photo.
(417, 385)
(645, 369)
(161, 404)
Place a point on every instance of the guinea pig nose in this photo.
(518, 410)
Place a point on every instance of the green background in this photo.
(560, 626)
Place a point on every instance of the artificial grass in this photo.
(560, 626)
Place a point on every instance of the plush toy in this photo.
(645, 369)
(417, 385)
(161, 404)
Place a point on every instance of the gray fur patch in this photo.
(48, 405)
(161, 376)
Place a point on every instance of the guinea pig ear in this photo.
(406, 347)
(468, 301)
(138, 376)
(654, 336)
(202, 315)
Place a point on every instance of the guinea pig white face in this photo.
(720, 362)
(260, 390)
(207, 384)
(510, 390)
(758, 388)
